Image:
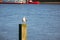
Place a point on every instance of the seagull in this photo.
(24, 19)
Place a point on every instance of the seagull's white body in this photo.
(24, 20)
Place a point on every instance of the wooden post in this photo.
(24, 31)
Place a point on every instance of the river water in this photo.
(43, 21)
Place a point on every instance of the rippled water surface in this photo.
(43, 21)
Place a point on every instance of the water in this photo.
(43, 21)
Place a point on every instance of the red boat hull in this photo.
(37, 2)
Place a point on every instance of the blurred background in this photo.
(29, 0)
